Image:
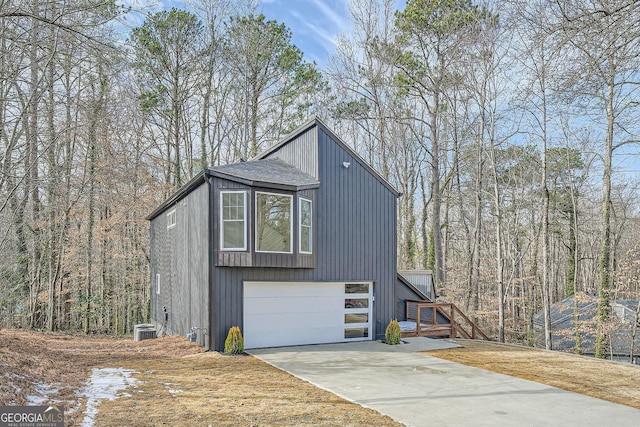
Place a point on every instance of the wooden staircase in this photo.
(440, 320)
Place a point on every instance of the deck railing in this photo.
(425, 314)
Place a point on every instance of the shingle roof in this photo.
(564, 310)
(269, 172)
(563, 325)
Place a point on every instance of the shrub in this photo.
(234, 344)
(393, 333)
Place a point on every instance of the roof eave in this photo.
(193, 183)
(264, 184)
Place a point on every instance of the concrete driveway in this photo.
(420, 390)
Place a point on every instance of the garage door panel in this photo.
(293, 305)
(292, 321)
(284, 337)
(292, 289)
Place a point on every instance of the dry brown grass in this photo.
(218, 390)
(65, 361)
(178, 384)
(602, 379)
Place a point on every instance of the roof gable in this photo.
(267, 170)
(319, 125)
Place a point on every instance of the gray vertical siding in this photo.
(197, 260)
(157, 238)
(354, 235)
(356, 226)
(302, 153)
(161, 263)
(180, 255)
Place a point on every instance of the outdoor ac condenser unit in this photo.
(144, 331)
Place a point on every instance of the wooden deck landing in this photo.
(430, 324)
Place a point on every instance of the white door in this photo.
(297, 313)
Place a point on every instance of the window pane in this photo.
(356, 318)
(305, 226)
(356, 288)
(233, 205)
(171, 219)
(233, 234)
(305, 212)
(273, 222)
(356, 333)
(305, 239)
(226, 202)
(356, 303)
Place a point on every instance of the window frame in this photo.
(171, 219)
(291, 222)
(353, 291)
(300, 225)
(244, 221)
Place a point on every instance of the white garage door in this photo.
(286, 313)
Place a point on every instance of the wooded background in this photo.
(511, 128)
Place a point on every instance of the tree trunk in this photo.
(546, 297)
(51, 196)
(436, 196)
(92, 159)
(31, 169)
(498, 237)
(604, 262)
(499, 262)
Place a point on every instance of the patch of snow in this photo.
(172, 391)
(105, 383)
(9, 379)
(43, 390)
(407, 326)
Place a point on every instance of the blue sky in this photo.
(314, 24)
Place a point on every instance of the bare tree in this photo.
(167, 53)
(431, 35)
(270, 75)
(602, 41)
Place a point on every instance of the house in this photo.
(582, 311)
(296, 246)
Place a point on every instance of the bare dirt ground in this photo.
(178, 384)
(603, 379)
